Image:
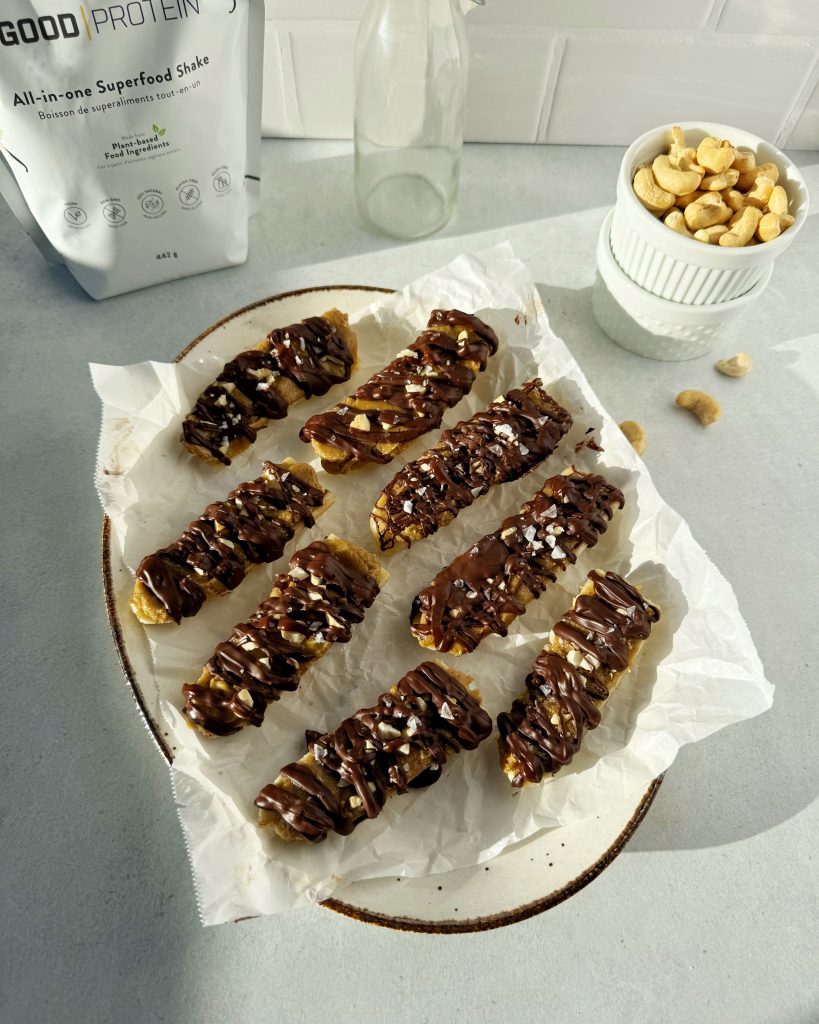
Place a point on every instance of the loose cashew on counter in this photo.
(705, 407)
(737, 366)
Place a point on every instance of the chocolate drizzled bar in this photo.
(589, 650)
(260, 385)
(407, 398)
(328, 588)
(230, 539)
(489, 585)
(499, 444)
(402, 742)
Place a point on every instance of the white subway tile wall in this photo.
(507, 83)
(789, 18)
(611, 94)
(574, 71)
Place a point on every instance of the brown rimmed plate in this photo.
(524, 880)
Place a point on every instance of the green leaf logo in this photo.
(161, 131)
(155, 128)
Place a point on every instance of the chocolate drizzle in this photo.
(479, 591)
(310, 354)
(312, 606)
(228, 539)
(545, 727)
(414, 390)
(496, 445)
(348, 774)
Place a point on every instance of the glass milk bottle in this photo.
(410, 81)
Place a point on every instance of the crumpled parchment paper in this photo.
(698, 672)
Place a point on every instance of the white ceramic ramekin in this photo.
(655, 327)
(673, 267)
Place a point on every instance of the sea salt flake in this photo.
(558, 552)
(446, 712)
(407, 507)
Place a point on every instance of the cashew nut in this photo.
(703, 406)
(744, 160)
(748, 178)
(707, 210)
(672, 180)
(761, 192)
(711, 235)
(635, 434)
(768, 227)
(743, 226)
(649, 193)
(734, 200)
(683, 201)
(679, 154)
(717, 182)
(676, 221)
(778, 200)
(715, 155)
(685, 160)
(772, 224)
(736, 366)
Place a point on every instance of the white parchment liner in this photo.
(699, 671)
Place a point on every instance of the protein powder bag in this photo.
(131, 133)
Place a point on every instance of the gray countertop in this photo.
(712, 912)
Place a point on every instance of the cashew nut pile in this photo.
(715, 193)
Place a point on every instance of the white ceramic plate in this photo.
(525, 879)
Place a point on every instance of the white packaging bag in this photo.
(131, 134)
